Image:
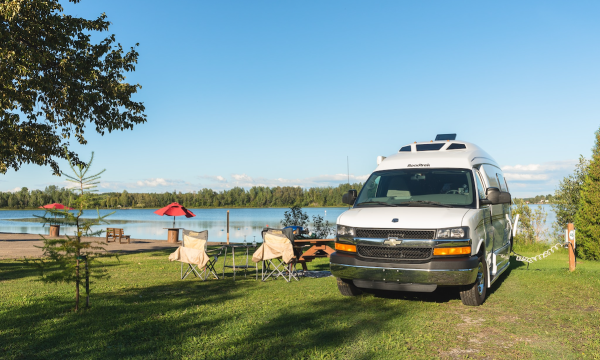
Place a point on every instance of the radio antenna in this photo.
(348, 165)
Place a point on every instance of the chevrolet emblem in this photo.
(392, 241)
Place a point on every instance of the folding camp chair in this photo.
(199, 240)
(277, 254)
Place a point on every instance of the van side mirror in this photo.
(495, 196)
(505, 197)
(349, 197)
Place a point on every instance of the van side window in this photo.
(490, 173)
(479, 185)
(502, 182)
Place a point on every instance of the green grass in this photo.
(144, 311)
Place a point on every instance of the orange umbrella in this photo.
(174, 209)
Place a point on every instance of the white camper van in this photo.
(435, 214)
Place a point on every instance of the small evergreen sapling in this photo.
(63, 258)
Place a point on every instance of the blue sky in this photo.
(242, 93)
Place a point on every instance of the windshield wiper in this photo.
(377, 203)
(425, 202)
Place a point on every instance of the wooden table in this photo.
(312, 252)
(54, 230)
(173, 236)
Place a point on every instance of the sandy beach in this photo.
(19, 246)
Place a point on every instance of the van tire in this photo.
(474, 295)
(347, 288)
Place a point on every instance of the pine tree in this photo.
(70, 260)
(587, 218)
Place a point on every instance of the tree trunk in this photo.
(77, 283)
(87, 283)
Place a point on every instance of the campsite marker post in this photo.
(571, 240)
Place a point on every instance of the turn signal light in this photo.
(345, 247)
(465, 250)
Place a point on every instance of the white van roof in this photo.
(437, 154)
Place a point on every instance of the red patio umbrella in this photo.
(56, 206)
(174, 209)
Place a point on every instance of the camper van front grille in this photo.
(399, 233)
(393, 252)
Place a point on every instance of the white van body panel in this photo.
(460, 159)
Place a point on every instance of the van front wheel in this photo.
(347, 288)
(474, 294)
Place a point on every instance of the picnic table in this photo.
(319, 248)
(117, 233)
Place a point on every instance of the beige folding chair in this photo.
(277, 254)
(194, 252)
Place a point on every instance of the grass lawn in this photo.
(144, 311)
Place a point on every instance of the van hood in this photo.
(408, 217)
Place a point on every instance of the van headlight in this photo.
(346, 230)
(453, 233)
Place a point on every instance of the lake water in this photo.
(144, 224)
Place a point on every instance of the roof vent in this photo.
(429, 147)
(456, 146)
(445, 137)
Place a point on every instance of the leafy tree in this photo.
(71, 253)
(124, 199)
(566, 197)
(294, 217)
(54, 82)
(531, 223)
(321, 229)
(587, 218)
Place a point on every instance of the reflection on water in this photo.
(144, 224)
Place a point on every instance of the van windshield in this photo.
(418, 187)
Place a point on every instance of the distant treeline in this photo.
(539, 199)
(257, 196)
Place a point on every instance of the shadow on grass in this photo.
(442, 294)
(160, 250)
(16, 270)
(123, 324)
(317, 328)
(19, 269)
(197, 320)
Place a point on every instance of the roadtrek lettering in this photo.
(418, 165)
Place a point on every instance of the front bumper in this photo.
(404, 276)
